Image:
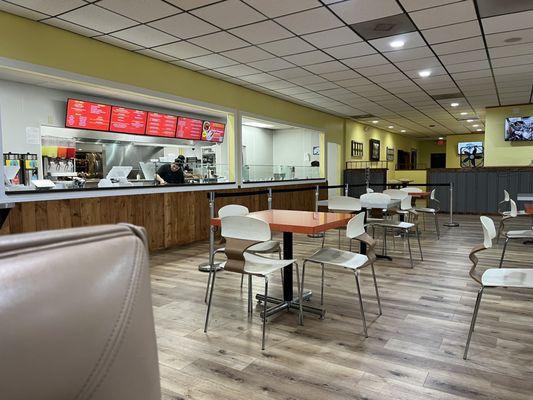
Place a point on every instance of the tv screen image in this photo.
(189, 128)
(469, 147)
(87, 115)
(213, 131)
(162, 125)
(519, 128)
(128, 120)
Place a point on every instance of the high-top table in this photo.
(290, 222)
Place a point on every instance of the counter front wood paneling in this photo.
(171, 219)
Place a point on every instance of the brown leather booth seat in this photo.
(76, 320)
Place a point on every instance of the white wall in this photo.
(295, 147)
(259, 151)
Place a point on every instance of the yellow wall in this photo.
(452, 157)
(41, 44)
(498, 152)
(426, 148)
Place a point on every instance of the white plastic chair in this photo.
(369, 190)
(347, 259)
(342, 204)
(396, 194)
(431, 210)
(493, 277)
(240, 233)
(411, 189)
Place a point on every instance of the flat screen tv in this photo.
(189, 128)
(83, 114)
(162, 125)
(469, 147)
(213, 131)
(519, 129)
(128, 120)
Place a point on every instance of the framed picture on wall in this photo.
(316, 150)
(390, 153)
(357, 149)
(375, 148)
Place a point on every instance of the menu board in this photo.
(161, 125)
(213, 131)
(189, 128)
(128, 120)
(87, 115)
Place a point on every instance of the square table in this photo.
(290, 222)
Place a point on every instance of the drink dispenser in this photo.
(30, 167)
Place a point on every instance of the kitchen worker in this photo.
(171, 173)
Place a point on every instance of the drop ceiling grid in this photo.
(321, 85)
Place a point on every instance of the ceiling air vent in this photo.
(447, 96)
(384, 27)
(362, 116)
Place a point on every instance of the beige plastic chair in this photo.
(433, 210)
(342, 204)
(493, 277)
(347, 259)
(509, 215)
(242, 232)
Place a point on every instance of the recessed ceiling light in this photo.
(424, 73)
(454, 104)
(469, 120)
(441, 138)
(464, 113)
(390, 126)
(479, 130)
(396, 44)
(375, 122)
(475, 125)
(403, 130)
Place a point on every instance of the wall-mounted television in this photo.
(189, 128)
(213, 131)
(83, 114)
(162, 125)
(469, 147)
(519, 129)
(128, 120)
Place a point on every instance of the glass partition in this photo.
(280, 152)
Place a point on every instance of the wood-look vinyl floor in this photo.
(414, 350)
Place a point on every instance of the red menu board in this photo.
(213, 131)
(189, 128)
(87, 115)
(128, 120)
(161, 125)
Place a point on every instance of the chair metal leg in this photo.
(208, 284)
(409, 247)
(303, 276)
(210, 299)
(300, 299)
(473, 323)
(376, 287)
(503, 251)
(281, 270)
(322, 287)
(437, 226)
(339, 238)
(250, 296)
(265, 312)
(419, 245)
(242, 280)
(500, 229)
(384, 241)
(356, 273)
(324, 239)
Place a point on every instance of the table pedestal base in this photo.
(206, 267)
(282, 305)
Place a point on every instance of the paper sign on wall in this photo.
(33, 135)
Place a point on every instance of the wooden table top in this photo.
(528, 207)
(298, 221)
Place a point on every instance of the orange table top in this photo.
(298, 221)
(419, 194)
(529, 208)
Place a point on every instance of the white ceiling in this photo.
(311, 52)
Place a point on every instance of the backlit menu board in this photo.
(128, 120)
(213, 131)
(163, 125)
(87, 115)
(189, 128)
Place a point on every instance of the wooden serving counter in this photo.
(170, 219)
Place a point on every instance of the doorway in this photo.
(438, 160)
(332, 170)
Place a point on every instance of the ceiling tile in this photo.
(503, 23)
(365, 61)
(118, 42)
(219, 41)
(333, 37)
(97, 18)
(385, 27)
(59, 23)
(490, 8)
(182, 50)
(155, 54)
(229, 14)
(289, 73)
(247, 54)
(276, 85)
(262, 32)
(143, 11)
(354, 11)
(238, 70)
(377, 70)
(144, 36)
(340, 75)
(321, 86)
(50, 7)
(323, 68)
(413, 5)
(186, 64)
(276, 8)
(510, 51)
(300, 23)
(511, 61)
(184, 26)
(457, 46)
(21, 11)
(456, 58)
(271, 64)
(294, 90)
(350, 50)
(411, 39)
(507, 38)
(286, 47)
(191, 4)
(212, 61)
(452, 32)
(421, 63)
(311, 57)
(468, 66)
(409, 54)
(259, 78)
(444, 15)
(307, 80)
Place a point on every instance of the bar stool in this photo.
(342, 204)
(493, 277)
(431, 210)
(347, 259)
(242, 232)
